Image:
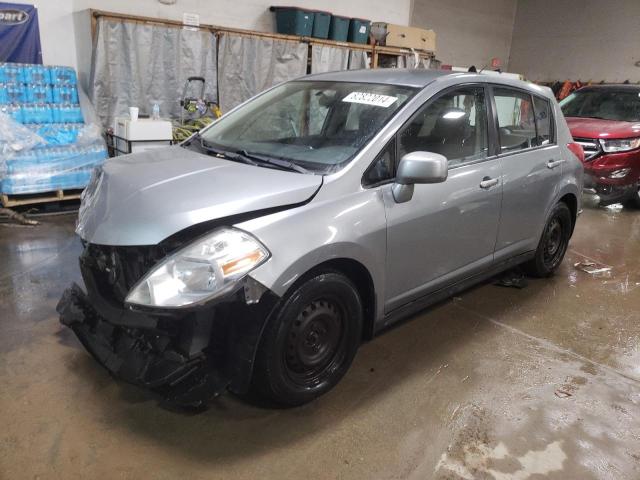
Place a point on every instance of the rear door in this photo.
(447, 231)
(532, 167)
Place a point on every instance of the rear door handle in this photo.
(488, 182)
(554, 163)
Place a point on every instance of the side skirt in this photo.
(408, 309)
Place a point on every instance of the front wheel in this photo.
(634, 201)
(309, 344)
(553, 243)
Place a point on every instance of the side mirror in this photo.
(418, 167)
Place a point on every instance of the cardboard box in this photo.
(405, 37)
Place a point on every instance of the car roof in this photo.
(418, 78)
(392, 76)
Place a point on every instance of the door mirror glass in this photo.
(418, 167)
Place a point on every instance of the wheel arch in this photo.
(571, 201)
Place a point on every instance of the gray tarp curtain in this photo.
(249, 65)
(328, 59)
(137, 65)
(325, 58)
(358, 59)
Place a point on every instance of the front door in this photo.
(447, 231)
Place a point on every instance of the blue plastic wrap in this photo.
(37, 113)
(52, 168)
(39, 93)
(42, 158)
(58, 134)
(65, 94)
(36, 74)
(63, 75)
(11, 73)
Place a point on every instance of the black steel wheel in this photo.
(553, 243)
(310, 342)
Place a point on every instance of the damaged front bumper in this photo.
(146, 357)
(186, 356)
(609, 193)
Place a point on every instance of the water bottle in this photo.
(155, 113)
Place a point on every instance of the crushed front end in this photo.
(187, 355)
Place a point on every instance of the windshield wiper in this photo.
(276, 162)
(228, 155)
(253, 159)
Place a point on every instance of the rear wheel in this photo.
(310, 343)
(553, 243)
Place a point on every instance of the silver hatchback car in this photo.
(259, 254)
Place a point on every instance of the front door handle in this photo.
(488, 182)
(554, 163)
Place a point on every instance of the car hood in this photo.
(597, 128)
(143, 198)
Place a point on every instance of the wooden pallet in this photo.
(9, 201)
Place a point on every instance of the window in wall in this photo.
(453, 125)
(383, 168)
(516, 122)
(544, 121)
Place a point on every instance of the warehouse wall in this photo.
(469, 32)
(56, 31)
(57, 24)
(577, 40)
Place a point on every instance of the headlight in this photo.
(623, 172)
(208, 267)
(611, 146)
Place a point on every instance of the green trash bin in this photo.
(293, 21)
(359, 30)
(321, 24)
(339, 28)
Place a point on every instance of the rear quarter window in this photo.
(544, 121)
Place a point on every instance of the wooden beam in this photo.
(217, 29)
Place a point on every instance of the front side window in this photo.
(453, 125)
(516, 120)
(317, 125)
(383, 167)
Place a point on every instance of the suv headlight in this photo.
(622, 145)
(208, 267)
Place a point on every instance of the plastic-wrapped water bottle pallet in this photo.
(9, 201)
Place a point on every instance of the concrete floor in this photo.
(498, 383)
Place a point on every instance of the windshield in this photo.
(605, 104)
(319, 126)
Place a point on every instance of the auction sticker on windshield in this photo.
(370, 99)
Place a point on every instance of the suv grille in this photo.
(590, 146)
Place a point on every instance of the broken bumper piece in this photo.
(147, 354)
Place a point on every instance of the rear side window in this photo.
(516, 121)
(544, 121)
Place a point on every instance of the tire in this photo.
(553, 243)
(634, 201)
(310, 341)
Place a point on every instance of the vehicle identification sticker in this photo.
(370, 99)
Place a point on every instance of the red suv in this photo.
(605, 120)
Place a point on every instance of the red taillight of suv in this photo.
(577, 150)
